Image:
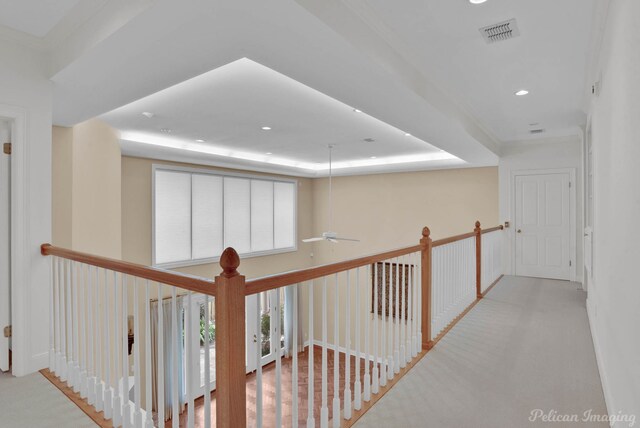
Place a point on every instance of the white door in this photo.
(543, 226)
(5, 259)
(262, 335)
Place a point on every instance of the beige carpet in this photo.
(525, 346)
(33, 402)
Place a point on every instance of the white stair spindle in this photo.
(175, 406)
(278, 349)
(418, 345)
(160, 393)
(403, 313)
(310, 378)
(390, 365)
(294, 368)
(336, 354)
(82, 333)
(147, 355)
(258, 339)
(207, 368)
(108, 393)
(383, 337)
(52, 290)
(347, 354)
(99, 350)
(416, 306)
(375, 375)
(189, 348)
(117, 340)
(396, 328)
(91, 338)
(137, 414)
(69, 324)
(62, 366)
(357, 385)
(126, 407)
(76, 341)
(410, 315)
(324, 410)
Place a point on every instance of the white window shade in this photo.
(261, 215)
(172, 216)
(284, 208)
(207, 238)
(237, 214)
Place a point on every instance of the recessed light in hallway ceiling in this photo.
(522, 92)
(214, 116)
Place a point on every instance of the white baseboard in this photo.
(608, 399)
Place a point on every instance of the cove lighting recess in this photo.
(522, 92)
(267, 158)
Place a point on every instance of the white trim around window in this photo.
(192, 172)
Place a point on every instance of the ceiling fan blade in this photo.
(347, 239)
(313, 239)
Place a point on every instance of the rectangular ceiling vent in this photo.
(536, 131)
(501, 31)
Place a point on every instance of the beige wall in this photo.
(136, 224)
(387, 211)
(96, 189)
(86, 188)
(61, 185)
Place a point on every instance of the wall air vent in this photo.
(501, 31)
(536, 131)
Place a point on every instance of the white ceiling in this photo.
(228, 106)
(420, 66)
(549, 58)
(34, 17)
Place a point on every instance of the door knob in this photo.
(519, 231)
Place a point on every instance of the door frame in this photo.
(572, 212)
(21, 254)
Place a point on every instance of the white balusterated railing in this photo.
(314, 347)
(491, 256)
(453, 281)
(358, 342)
(97, 307)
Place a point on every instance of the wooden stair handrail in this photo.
(492, 229)
(176, 279)
(294, 277)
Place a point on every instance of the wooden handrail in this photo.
(451, 239)
(187, 282)
(294, 277)
(493, 229)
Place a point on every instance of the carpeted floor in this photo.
(525, 346)
(33, 402)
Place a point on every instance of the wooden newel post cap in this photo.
(477, 225)
(229, 261)
(426, 232)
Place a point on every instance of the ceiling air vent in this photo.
(536, 131)
(501, 31)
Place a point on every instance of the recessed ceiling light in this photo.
(266, 128)
(148, 114)
(357, 111)
(268, 153)
(373, 157)
(522, 92)
(406, 134)
(477, 1)
(199, 141)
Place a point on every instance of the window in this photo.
(198, 213)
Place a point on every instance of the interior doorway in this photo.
(5, 244)
(544, 208)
